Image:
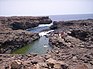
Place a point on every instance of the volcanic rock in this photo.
(11, 40)
(24, 22)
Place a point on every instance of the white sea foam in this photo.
(45, 32)
(43, 25)
(45, 45)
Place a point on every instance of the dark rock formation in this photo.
(81, 34)
(24, 22)
(11, 40)
(82, 29)
(73, 24)
(72, 42)
(61, 24)
(54, 26)
(21, 25)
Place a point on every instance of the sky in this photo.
(45, 7)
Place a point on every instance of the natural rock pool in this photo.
(40, 46)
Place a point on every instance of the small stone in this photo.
(48, 56)
(26, 62)
(81, 66)
(63, 64)
(74, 58)
(37, 66)
(91, 62)
(57, 66)
(68, 44)
(18, 61)
(43, 64)
(57, 51)
(82, 46)
(34, 62)
(52, 61)
(15, 65)
(29, 55)
(89, 47)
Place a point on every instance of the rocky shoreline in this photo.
(13, 34)
(72, 43)
(12, 40)
(24, 22)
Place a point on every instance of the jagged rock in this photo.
(51, 61)
(54, 26)
(11, 40)
(76, 46)
(57, 64)
(68, 52)
(74, 58)
(34, 62)
(81, 29)
(42, 65)
(80, 34)
(22, 25)
(16, 65)
(24, 22)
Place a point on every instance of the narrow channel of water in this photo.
(40, 46)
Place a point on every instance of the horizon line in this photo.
(46, 15)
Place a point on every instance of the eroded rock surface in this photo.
(30, 62)
(72, 49)
(11, 40)
(24, 22)
(72, 42)
(13, 34)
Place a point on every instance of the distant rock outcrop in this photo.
(24, 22)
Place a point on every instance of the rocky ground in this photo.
(30, 61)
(11, 40)
(24, 22)
(72, 43)
(13, 34)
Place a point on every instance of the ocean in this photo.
(71, 17)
